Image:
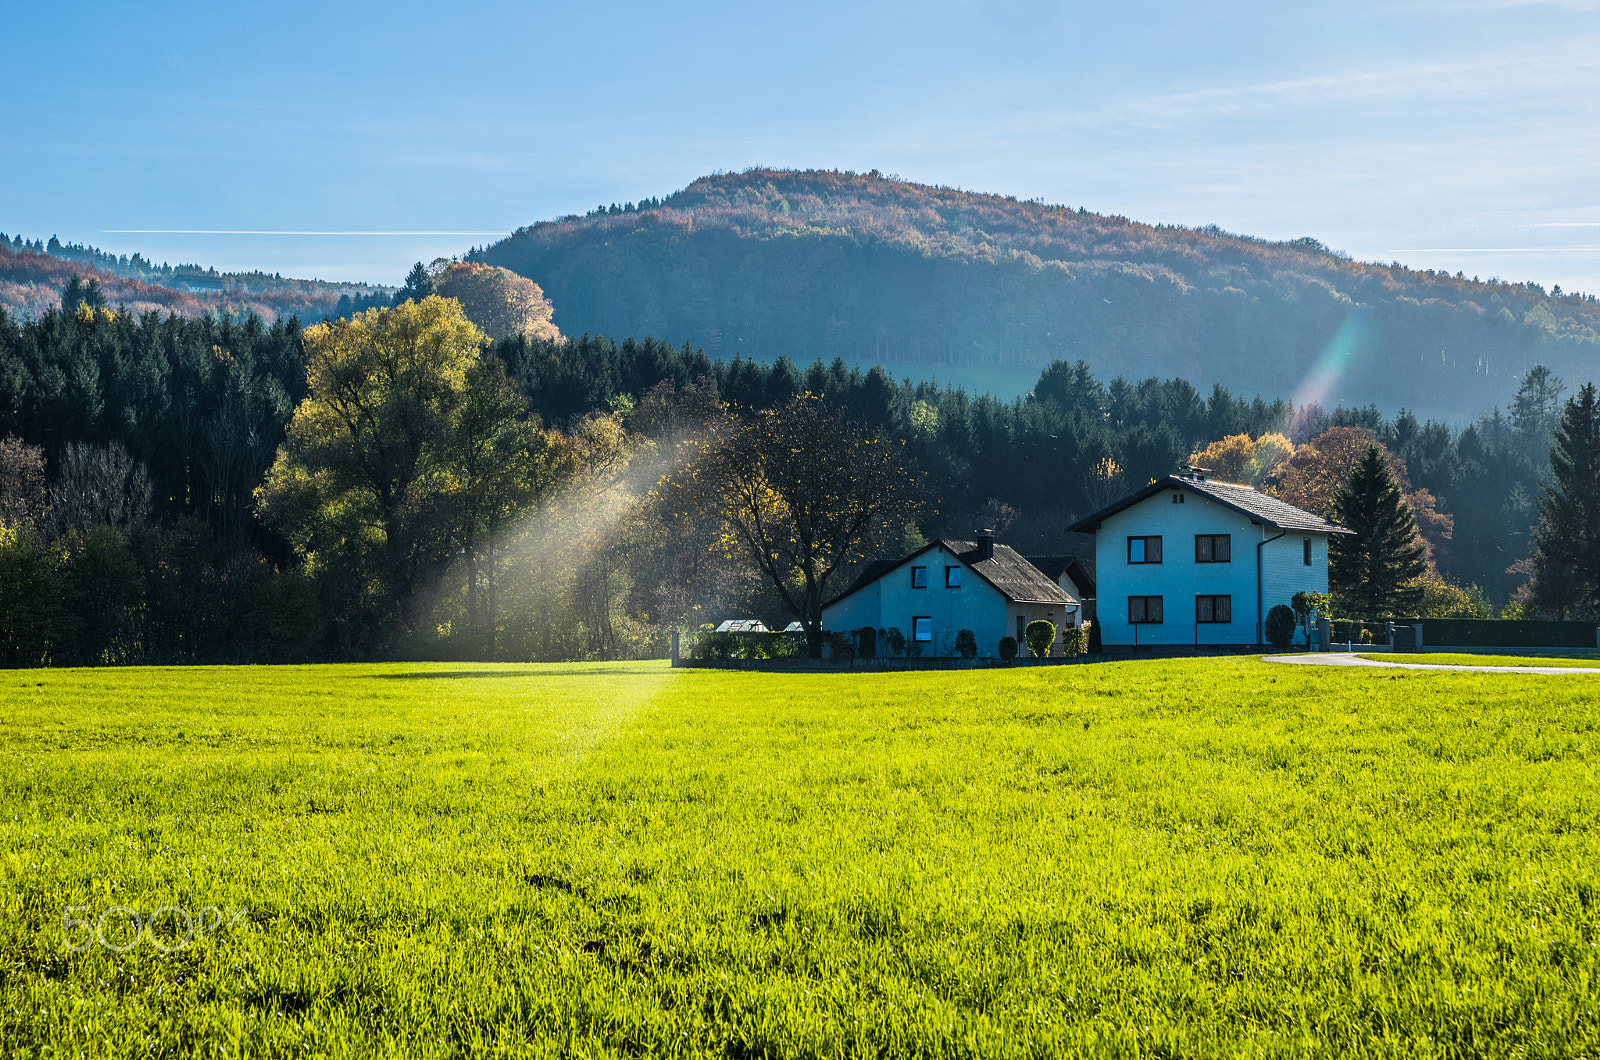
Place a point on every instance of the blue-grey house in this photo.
(1189, 560)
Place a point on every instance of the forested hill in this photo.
(35, 275)
(822, 263)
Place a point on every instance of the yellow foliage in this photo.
(1240, 458)
(1442, 599)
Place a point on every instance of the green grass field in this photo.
(1584, 660)
(1185, 858)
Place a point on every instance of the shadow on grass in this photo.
(547, 671)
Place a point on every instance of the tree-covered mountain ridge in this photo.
(34, 275)
(876, 269)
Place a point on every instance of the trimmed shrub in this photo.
(1008, 648)
(966, 643)
(1280, 626)
(867, 638)
(1041, 637)
(1074, 641)
(839, 646)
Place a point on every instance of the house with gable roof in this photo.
(947, 586)
(1188, 560)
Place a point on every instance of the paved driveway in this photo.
(1341, 659)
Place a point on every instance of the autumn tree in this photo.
(359, 485)
(1240, 458)
(803, 491)
(1566, 559)
(498, 300)
(1374, 570)
(23, 494)
(1319, 470)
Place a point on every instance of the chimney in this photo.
(985, 544)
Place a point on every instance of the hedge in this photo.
(1506, 633)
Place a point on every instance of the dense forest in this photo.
(148, 514)
(878, 270)
(35, 274)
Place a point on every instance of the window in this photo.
(919, 577)
(1212, 548)
(1307, 544)
(922, 629)
(952, 577)
(1022, 630)
(1144, 610)
(1144, 550)
(1177, 498)
(1213, 609)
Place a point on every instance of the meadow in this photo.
(1155, 859)
(1567, 660)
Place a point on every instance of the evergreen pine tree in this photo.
(419, 285)
(1566, 559)
(72, 296)
(1373, 570)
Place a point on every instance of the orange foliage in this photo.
(498, 300)
(1313, 477)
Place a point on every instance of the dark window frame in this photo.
(1213, 600)
(956, 573)
(915, 571)
(1146, 538)
(1144, 611)
(1307, 543)
(1210, 550)
(921, 640)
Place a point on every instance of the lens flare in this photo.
(1347, 350)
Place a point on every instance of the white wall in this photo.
(1284, 571)
(1178, 579)
(975, 605)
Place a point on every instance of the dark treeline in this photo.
(134, 447)
(1075, 442)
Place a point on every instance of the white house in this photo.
(1188, 560)
(1075, 575)
(947, 586)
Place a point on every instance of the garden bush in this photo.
(1280, 626)
(1008, 648)
(1041, 637)
(966, 643)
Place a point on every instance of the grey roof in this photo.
(1074, 567)
(1013, 576)
(1257, 506)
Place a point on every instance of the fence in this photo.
(1358, 633)
(1420, 634)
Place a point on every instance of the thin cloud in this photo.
(1494, 250)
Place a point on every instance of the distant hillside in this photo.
(831, 264)
(34, 274)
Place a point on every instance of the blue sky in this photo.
(1460, 135)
